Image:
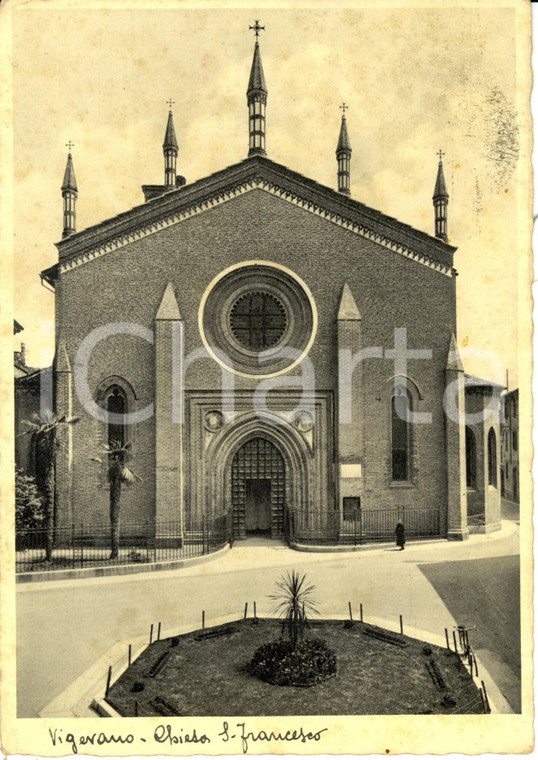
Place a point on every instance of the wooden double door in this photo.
(258, 489)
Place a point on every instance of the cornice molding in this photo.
(254, 183)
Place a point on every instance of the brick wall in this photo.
(127, 285)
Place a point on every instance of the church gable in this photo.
(255, 173)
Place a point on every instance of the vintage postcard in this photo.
(266, 423)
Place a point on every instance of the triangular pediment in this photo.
(255, 173)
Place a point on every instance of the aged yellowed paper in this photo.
(266, 446)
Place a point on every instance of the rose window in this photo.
(258, 320)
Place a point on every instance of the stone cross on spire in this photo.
(257, 28)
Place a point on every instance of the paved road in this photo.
(484, 593)
(63, 627)
(509, 510)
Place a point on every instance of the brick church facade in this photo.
(223, 322)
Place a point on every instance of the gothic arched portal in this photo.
(258, 450)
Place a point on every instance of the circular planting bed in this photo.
(361, 670)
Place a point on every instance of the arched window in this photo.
(116, 404)
(401, 459)
(492, 458)
(470, 457)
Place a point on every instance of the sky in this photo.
(415, 80)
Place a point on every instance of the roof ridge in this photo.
(211, 179)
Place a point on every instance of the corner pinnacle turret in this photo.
(69, 195)
(170, 151)
(257, 100)
(343, 155)
(440, 201)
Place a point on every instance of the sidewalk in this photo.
(264, 552)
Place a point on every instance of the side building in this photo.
(510, 447)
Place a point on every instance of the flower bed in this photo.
(278, 663)
(210, 676)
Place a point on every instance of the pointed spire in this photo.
(440, 201)
(454, 363)
(256, 100)
(440, 184)
(343, 140)
(343, 155)
(170, 136)
(257, 78)
(69, 195)
(70, 182)
(168, 308)
(348, 310)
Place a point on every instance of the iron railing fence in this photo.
(360, 526)
(82, 545)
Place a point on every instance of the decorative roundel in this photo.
(213, 420)
(258, 319)
(303, 421)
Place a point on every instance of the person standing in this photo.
(400, 535)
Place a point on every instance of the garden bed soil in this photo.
(194, 676)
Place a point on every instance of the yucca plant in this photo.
(116, 455)
(294, 603)
(44, 429)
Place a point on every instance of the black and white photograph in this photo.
(266, 462)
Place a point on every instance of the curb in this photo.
(342, 548)
(84, 696)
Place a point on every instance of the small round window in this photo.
(258, 320)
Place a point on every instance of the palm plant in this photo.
(294, 601)
(43, 453)
(116, 456)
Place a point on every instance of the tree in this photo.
(116, 456)
(43, 453)
(293, 602)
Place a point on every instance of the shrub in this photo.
(281, 663)
(29, 510)
(135, 556)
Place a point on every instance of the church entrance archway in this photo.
(258, 481)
